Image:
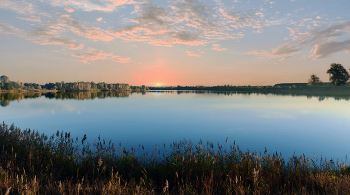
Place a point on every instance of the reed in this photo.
(33, 163)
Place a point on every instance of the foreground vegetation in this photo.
(32, 163)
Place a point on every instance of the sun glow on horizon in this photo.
(159, 84)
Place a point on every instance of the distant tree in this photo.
(50, 86)
(93, 85)
(8, 86)
(338, 75)
(4, 79)
(58, 85)
(313, 79)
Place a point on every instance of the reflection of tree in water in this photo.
(4, 103)
(309, 95)
(5, 98)
(320, 96)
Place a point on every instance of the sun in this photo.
(158, 84)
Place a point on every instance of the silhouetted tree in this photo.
(313, 79)
(338, 75)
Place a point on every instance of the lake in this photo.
(285, 123)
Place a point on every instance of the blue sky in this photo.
(179, 42)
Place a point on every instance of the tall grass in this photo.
(32, 163)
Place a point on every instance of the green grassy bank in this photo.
(33, 163)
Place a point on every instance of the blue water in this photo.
(286, 124)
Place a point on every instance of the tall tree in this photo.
(338, 75)
(4, 79)
(313, 79)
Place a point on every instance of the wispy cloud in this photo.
(31, 19)
(326, 49)
(93, 54)
(188, 22)
(22, 6)
(122, 60)
(80, 28)
(322, 40)
(190, 53)
(41, 36)
(217, 47)
(87, 5)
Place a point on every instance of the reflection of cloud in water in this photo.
(42, 105)
(274, 115)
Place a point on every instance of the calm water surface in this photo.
(287, 124)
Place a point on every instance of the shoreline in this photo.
(54, 91)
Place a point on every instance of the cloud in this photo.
(217, 47)
(193, 13)
(93, 55)
(69, 43)
(70, 10)
(122, 60)
(324, 41)
(79, 28)
(83, 5)
(282, 59)
(252, 18)
(99, 19)
(259, 52)
(86, 5)
(326, 49)
(188, 22)
(190, 53)
(286, 49)
(121, 2)
(21, 7)
(155, 25)
(31, 19)
(41, 36)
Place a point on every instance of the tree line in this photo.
(7, 84)
(338, 75)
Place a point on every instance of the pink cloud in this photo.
(70, 10)
(217, 47)
(122, 60)
(122, 2)
(186, 22)
(85, 5)
(79, 28)
(21, 7)
(190, 53)
(99, 19)
(31, 19)
(70, 44)
(41, 36)
(259, 52)
(93, 55)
